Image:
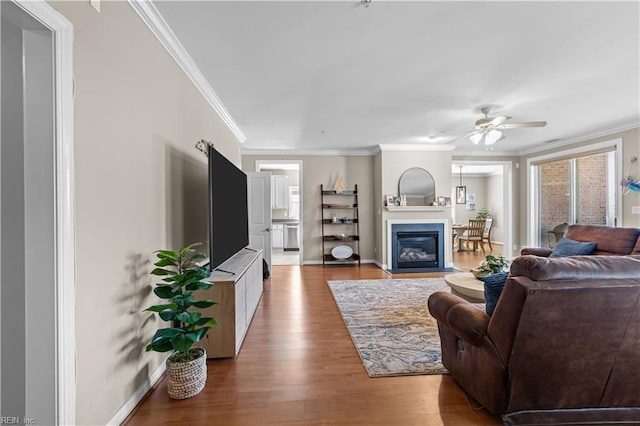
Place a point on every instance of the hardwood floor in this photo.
(298, 366)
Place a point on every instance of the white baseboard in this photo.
(137, 396)
(319, 262)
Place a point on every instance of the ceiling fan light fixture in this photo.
(492, 137)
(476, 137)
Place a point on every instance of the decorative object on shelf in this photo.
(340, 236)
(187, 367)
(342, 252)
(339, 184)
(388, 200)
(628, 183)
(491, 265)
(461, 191)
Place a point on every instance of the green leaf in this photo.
(166, 262)
(198, 334)
(160, 272)
(167, 254)
(181, 343)
(194, 317)
(160, 308)
(204, 304)
(166, 333)
(163, 292)
(188, 248)
(165, 347)
(168, 315)
(183, 317)
(199, 285)
(205, 321)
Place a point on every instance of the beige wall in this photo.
(630, 148)
(317, 170)
(489, 195)
(392, 165)
(137, 118)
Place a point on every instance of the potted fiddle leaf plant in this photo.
(182, 276)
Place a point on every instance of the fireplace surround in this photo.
(417, 246)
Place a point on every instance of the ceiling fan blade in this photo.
(503, 137)
(498, 120)
(464, 136)
(525, 124)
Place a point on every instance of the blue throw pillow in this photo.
(567, 247)
(493, 285)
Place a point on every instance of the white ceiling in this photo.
(335, 75)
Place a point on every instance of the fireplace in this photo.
(417, 247)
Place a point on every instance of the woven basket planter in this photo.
(187, 379)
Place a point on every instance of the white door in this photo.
(259, 192)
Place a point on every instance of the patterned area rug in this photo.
(390, 324)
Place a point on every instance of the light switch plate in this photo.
(635, 209)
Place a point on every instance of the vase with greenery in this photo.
(491, 265)
(182, 276)
(483, 214)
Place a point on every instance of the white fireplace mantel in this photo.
(417, 209)
(448, 247)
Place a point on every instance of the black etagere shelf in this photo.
(340, 226)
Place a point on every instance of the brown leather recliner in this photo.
(563, 343)
(611, 241)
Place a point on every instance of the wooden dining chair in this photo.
(486, 235)
(473, 234)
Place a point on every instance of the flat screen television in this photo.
(228, 209)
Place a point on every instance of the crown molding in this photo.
(413, 147)
(158, 26)
(484, 154)
(622, 126)
(309, 152)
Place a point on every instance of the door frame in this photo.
(301, 191)
(507, 196)
(64, 254)
(533, 230)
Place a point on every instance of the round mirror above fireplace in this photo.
(419, 187)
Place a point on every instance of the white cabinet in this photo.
(279, 192)
(238, 296)
(277, 235)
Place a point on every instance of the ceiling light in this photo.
(476, 137)
(492, 137)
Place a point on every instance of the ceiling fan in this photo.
(489, 128)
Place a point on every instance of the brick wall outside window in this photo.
(555, 194)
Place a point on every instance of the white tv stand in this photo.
(237, 295)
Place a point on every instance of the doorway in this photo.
(37, 255)
(286, 210)
(488, 194)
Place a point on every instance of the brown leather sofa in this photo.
(611, 241)
(562, 346)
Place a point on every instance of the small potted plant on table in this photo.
(187, 366)
(491, 265)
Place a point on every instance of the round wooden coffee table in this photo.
(465, 285)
